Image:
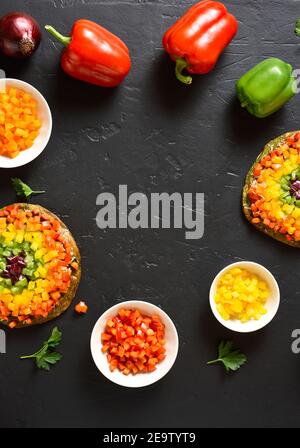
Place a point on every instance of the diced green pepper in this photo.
(2, 265)
(28, 272)
(22, 283)
(6, 253)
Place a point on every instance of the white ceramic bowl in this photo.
(45, 116)
(142, 379)
(272, 303)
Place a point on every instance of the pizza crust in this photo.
(67, 298)
(273, 144)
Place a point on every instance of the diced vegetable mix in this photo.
(19, 122)
(134, 343)
(81, 307)
(36, 264)
(241, 295)
(274, 194)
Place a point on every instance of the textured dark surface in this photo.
(156, 135)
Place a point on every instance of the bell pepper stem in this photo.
(65, 40)
(182, 64)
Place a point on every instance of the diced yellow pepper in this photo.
(241, 295)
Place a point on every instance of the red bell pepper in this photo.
(197, 39)
(94, 54)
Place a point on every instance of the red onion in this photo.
(20, 35)
(14, 268)
(295, 189)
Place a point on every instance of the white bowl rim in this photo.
(230, 324)
(136, 304)
(37, 153)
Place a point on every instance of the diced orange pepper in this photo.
(81, 308)
(19, 122)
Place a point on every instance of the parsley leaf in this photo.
(231, 358)
(42, 364)
(55, 338)
(297, 28)
(52, 358)
(46, 357)
(23, 190)
(225, 347)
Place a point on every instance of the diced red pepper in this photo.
(134, 343)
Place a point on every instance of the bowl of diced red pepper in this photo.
(134, 343)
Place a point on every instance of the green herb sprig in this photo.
(46, 356)
(23, 190)
(231, 358)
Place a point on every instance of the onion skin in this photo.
(20, 35)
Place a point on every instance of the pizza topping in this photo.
(295, 189)
(134, 343)
(35, 264)
(274, 194)
(14, 268)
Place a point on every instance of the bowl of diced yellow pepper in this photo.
(244, 297)
(25, 123)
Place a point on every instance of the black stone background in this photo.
(154, 134)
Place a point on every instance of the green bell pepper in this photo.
(266, 87)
